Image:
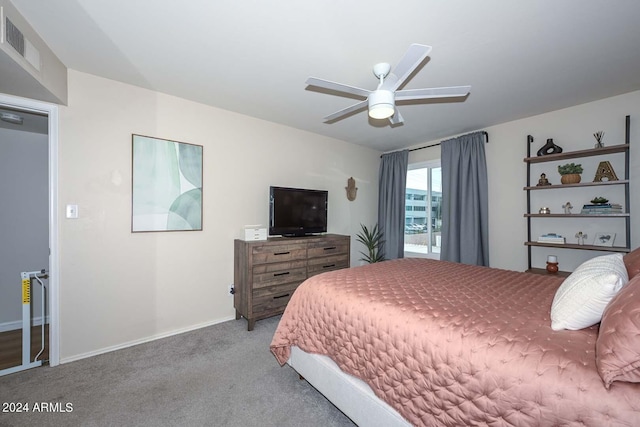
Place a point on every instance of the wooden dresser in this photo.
(267, 272)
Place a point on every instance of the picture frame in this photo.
(166, 185)
(604, 239)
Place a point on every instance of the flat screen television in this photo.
(297, 211)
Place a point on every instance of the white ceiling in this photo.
(521, 58)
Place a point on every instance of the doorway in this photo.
(28, 226)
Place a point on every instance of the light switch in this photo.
(72, 211)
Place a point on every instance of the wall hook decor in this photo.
(351, 188)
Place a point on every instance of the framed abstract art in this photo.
(166, 185)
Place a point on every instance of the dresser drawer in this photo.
(278, 253)
(272, 298)
(322, 249)
(279, 273)
(320, 265)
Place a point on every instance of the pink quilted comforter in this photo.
(455, 345)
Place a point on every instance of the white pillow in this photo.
(581, 299)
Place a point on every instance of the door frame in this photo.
(51, 110)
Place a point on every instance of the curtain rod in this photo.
(484, 132)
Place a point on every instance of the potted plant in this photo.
(599, 200)
(372, 240)
(570, 173)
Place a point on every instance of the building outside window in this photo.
(423, 212)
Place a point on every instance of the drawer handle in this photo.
(280, 274)
(328, 266)
(282, 253)
(281, 296)
(330, 248)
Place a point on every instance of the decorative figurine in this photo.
(543, 180)
(567, 208)
(581, 236)
(598, 136)
(549, 148)
(544, 211)
(351, 188)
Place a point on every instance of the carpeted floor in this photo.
(221, 375)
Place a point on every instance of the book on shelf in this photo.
(551, 238)
(602, 209)
(602, 212)
(603, 206)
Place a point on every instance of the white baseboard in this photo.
(12, 326)
(143, 340)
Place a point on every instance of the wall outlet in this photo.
(231, 290)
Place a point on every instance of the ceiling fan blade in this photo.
(338, 87)
(397, 118)
(436, 92)
(409, 62)
(346, 111)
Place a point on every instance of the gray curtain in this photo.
(465, 206)
(392, 184)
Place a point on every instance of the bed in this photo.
(439, 343)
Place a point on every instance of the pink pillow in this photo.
(618, 343)
(632, 262)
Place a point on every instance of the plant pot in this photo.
(572, 178)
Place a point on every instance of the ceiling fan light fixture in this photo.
(381, 104)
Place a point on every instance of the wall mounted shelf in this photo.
(594, 152)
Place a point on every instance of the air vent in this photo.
(15, 37)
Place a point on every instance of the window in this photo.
(423, 213)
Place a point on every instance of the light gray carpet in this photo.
(221, 375)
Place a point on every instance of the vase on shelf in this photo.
(570, 178)
(552, 264)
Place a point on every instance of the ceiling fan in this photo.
(381, 102)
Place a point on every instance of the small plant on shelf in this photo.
(570, 173)
(599, 200)
(570, 168)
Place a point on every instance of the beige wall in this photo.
(572, 129)
(119, 288)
